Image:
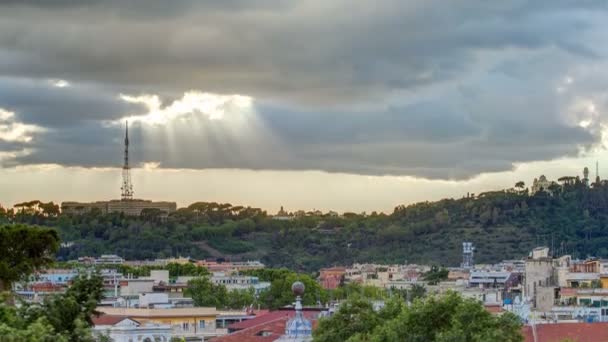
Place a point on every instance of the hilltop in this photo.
(572, 217)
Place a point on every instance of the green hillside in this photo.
(502, 224)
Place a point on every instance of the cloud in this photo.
(212, 105)
(58, 103)
(420, 88)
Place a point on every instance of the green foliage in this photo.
(436, 274)
(280, 293)
(65, 317)
(502, 224)
(441, 319)
(24, 249)
(205, 293)
(354, 289)
(355, 316)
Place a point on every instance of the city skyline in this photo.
(305, 105)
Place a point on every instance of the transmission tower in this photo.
(127, 187)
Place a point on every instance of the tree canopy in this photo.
(23, 250)
(573, 217)
(436, 318)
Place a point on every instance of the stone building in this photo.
(128, 207)
(540, 279)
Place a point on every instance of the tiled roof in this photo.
(577, 332)
(268, 327)
(270, 316)
(108, 319)
(262, 332)
(494, 309)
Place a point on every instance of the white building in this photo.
(124, 329)
(541, 184)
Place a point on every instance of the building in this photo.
(541, 184)
(132, 207)
(57, 276)
(125, 329)
(293, 325)
(193, 324)
(282, 215)
(579, 332)
(540, 279)
(492, 279)
(230, 267)
(331, 278)
(127, 204)
(231, 282)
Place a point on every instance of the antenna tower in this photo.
(127, 187)
(467, 255)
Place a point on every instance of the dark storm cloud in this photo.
(41, 103)
(315, 51)
(425, 88)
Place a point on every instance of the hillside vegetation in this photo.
(572, 218)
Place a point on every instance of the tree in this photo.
(23, 250)
(355, 316)
(520, 185)
(435, 275)
(205, 293)
(62, 317)
(445, 318)
(280, 293)
(417, 291)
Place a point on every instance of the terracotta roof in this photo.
(109, 319)
(493, 309)
(269, 317)
(262, 332)
(577, 332)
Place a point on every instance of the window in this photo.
(201, 324)
(185, 326)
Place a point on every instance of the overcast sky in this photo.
(308, 104)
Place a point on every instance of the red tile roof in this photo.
(577, 332)
(268, 327)
(108, 319)
(494, 309)
(270, 316)
(266, 331)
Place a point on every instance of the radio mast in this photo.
(127, 187)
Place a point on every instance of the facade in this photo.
(190, 323)
(331, 278)
(132, 207)
(230, 267)
(231, 282)
(57, 276)
(489, 279)
(541, 184)
(124, 329)
(539, 274)
(133, 287)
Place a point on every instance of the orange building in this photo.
(332, 277)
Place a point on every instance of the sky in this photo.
(310, 104)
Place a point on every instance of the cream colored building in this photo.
(129, 207)
(189, 323)
(541, 184)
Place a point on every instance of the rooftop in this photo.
(150, 313)
(579, 332)
(109, 319)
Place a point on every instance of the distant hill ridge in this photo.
(571, 217)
